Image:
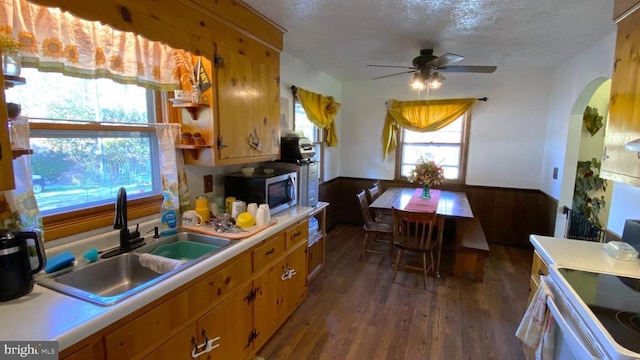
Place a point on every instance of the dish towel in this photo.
(537, 326)
(159, 264)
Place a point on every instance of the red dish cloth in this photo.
(418, 204)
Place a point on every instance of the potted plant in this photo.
(428, 174)
(588, 182)
(592, 120)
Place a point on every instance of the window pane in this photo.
(447, 156)
(302, 123)
(451, 133)
(68, 98)
(76, 170)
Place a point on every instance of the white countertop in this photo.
(582, 255)
(46, 315)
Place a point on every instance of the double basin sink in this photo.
(109, 281)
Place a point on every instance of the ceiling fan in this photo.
(427, 67)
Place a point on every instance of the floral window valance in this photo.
(420, 116)
(57, 41)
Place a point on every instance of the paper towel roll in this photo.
(159, 264)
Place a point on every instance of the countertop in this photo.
(582, 255)
(46, 315)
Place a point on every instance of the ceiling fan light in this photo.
(435, 80)
(417, 83)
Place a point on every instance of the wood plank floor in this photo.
(354, 311)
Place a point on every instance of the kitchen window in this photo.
(89, 138)
(302, 123)
(447, 147)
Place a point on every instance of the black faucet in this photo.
(128, 240)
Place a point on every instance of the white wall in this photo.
(300, 74)
(507, 135)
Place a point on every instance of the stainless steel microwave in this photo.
(278, 189)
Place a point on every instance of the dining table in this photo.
(451, 204)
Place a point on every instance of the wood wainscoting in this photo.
(508, 216)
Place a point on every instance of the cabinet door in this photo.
(179, 346)
(235, 101)
(624, 109)
(295, 286)
(232, 322)
(268, 305)
(267, 108)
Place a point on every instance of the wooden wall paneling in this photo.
(508, 216)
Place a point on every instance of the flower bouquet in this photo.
(428, 174)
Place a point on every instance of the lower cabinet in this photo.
(228, 313)
(538, 268)
(222, 333)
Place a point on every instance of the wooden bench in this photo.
(471, 249)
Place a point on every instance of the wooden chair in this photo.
(379, 215)
(413, 232)
(373, 229)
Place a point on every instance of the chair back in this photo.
(373, 193)
(364, 207)
(413, 230)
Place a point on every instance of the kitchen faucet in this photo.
(128, 240)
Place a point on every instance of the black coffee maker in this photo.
(16, 274)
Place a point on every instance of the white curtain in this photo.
(18, 208)
(57, 41)
(175, 188)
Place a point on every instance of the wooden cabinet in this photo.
(243, 121)
(624, 108)
(538, 268)
(237, 306)
(7, 182)
(317, 241)
(620, 7)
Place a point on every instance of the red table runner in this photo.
(417, 203)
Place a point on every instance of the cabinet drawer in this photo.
(145, 331)
(268, 252)
(209, 291)
(539, 267)
(178, 347)
(298, 233)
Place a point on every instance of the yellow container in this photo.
(228, 204)
(202, 202)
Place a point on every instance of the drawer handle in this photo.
(270, 252)
(540, 272)
(297, 234)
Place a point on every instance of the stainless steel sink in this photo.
(109, 281)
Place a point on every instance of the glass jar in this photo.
(11, 65)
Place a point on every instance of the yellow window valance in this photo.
(321, 111)
(419, 116)
(57, 41)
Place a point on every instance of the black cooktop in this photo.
(614, 300)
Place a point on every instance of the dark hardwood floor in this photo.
(354, 311)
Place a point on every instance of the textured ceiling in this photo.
(340, 37)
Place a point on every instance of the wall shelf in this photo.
(19, 152)
(11, 81)
(192, 108)
(193, 149)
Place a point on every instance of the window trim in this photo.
(90, 218)
(320, 135)
(464, 148)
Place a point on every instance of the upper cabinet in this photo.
(239, 116)
(620, 7)
(621, 165)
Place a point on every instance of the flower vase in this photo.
(426, 194)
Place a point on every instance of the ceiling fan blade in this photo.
(445, 59)
(393, 66)
(400, 73)
(468, 69)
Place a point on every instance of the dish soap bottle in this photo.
(169, 217)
